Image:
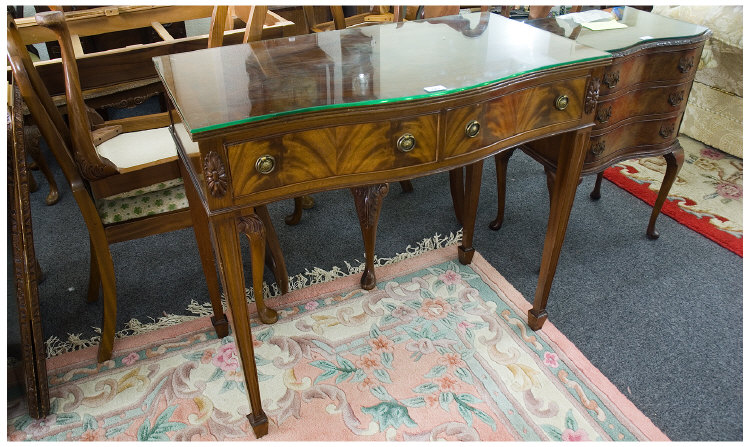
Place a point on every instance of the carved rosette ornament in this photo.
(592, 94)
(685, 64)
(215, 175)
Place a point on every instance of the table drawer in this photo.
(310, 155)
(632, 138)
(513, 114)
(645, 101)
(662, 66)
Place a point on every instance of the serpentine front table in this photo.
(362, 107)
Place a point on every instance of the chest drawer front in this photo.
(631, 139)
(645, 101)
(666, 66)
(513, 114)
(320, 153)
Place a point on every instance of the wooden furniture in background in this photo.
(143, 167)
(123, 77)
(642, 98)
(25, 266)
(394, 132)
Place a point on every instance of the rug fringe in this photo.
(55, 346)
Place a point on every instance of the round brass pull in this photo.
(265, 164)
(406, 142)
(561, 103)
(472, 129)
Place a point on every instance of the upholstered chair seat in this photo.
(137, 149)
(156, 199)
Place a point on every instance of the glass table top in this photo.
(221, 87)
(642, 27)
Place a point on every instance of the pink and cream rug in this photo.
(706, 196)
(437, 351)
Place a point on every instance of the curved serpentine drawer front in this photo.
(513, 115)
(646, 101)
(632, 139)
(664, 66)
(311, 155)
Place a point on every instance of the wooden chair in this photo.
(113, 169)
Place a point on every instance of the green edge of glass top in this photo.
(481, 48)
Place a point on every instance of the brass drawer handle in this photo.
(265, 164)
(561, 103)
(472, 129)
(598, 148)
(406, 142)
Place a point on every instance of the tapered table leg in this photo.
(674, 160)
(232, 278)
(456, 177)
(368, 201)
(501, 171)
(470, 204)
(570, 163)
(202, 234)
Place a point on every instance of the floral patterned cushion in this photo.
(155, 199)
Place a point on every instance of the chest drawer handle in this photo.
(666, 131)
(472, 129)
(265, 164)
(598, 148)
(611, 79)
(686, 64)
(406, 142)
(561, 103)
(675, 98)
(603, 114)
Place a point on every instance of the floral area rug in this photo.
(438, 351)
(706, 196)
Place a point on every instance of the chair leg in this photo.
(274, 256)
(406, 186)
(32, 134)
(95, 278)
(296, 216)
(109, 297)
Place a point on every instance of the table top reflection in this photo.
(226, 86)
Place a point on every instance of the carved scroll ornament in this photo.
(675, 98)
(667, 130)
(215, 175)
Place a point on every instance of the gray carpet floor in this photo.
(661, 319)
